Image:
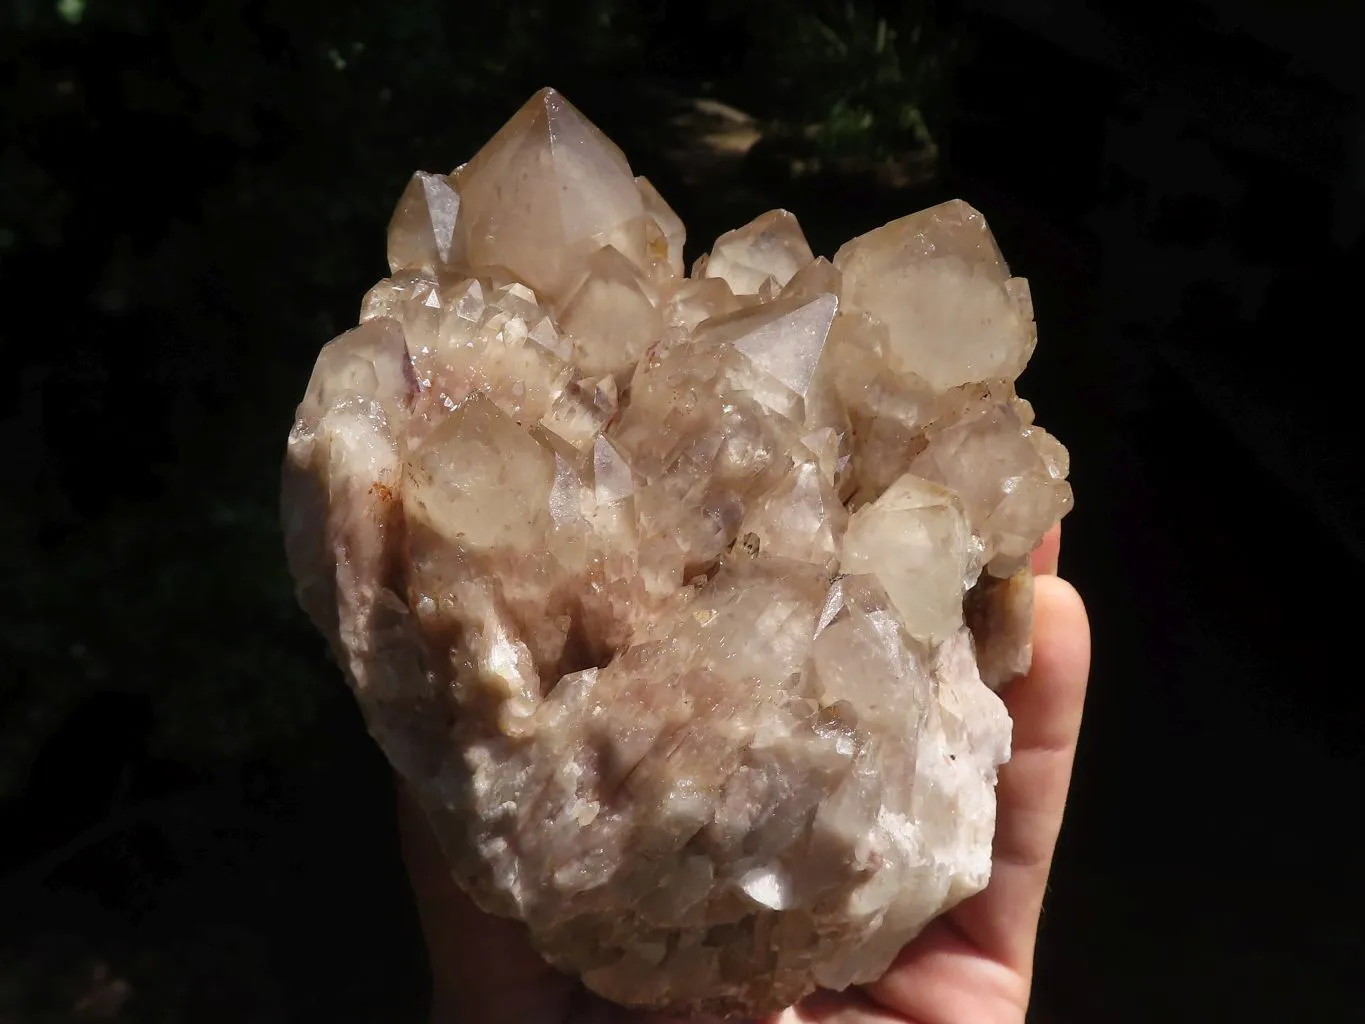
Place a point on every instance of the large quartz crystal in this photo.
(679, 601)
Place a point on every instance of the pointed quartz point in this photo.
(480, 481)
(611, 317)
(770, 246)
(696, 301)
(422, 232)
(612, 478)
(369, 361)
(916, 541)
(818, 277)
(581, 410)
(861, 656)
(671, 233)
(392, 295)
(547, 190)
(789, 347)
(802, 518)
(781, 341)
(612, 511)
(938, 282)
(1007, 475)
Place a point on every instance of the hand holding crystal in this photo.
(680, 601)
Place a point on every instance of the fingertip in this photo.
(1046, 555)
(1061, 628)
(1047, 702)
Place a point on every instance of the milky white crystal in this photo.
(671, 598)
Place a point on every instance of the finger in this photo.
(483, 967)
(1046, 554)
(1046, 707)
(943, 978)
(851, 1007)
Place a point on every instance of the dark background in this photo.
(193, 823)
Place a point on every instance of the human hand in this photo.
(973, 965)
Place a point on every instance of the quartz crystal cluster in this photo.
(679, 600)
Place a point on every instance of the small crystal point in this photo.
(937, 280)
(770, 247)
(915, 539)
(479, 480)
(612, 317)
(788, 347)
(368, 361)
(1002, 469)
(612, 479)
(667, 245)
(800, 519)
(678, 602)
(422, 233)
(818, 277)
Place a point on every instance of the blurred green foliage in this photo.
(192, 198)
(862, 79)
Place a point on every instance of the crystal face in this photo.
(679, 602)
